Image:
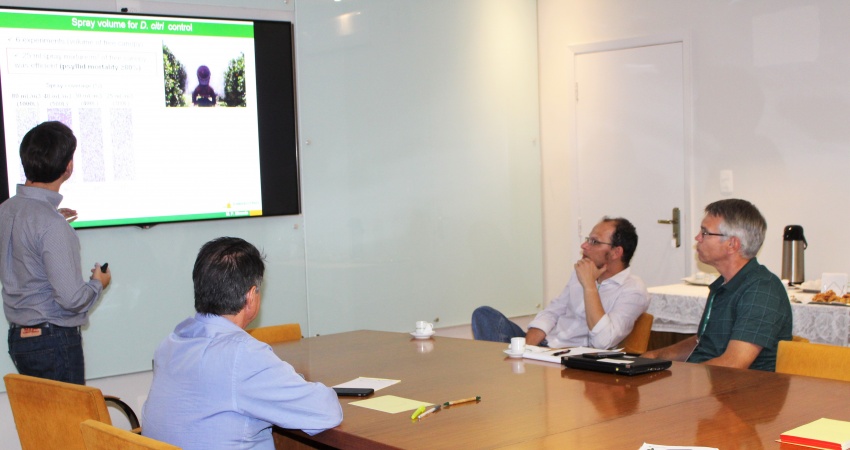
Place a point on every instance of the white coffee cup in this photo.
(423, 327)
(517, 345)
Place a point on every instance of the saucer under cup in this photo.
(513, 354)
(424, 335)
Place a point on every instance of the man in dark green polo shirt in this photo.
(747, 312)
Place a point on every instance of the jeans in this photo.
(491, 325)
(57, 354)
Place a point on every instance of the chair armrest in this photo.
(125, 408)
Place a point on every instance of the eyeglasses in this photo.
(703, 232)
(594, 242)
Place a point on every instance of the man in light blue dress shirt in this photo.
(215, 386)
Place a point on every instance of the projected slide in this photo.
(164, 110)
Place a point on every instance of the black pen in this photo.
(563, 352)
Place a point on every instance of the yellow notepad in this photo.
(390, 404)
(822, 433)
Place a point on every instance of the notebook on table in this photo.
(624, 365)
(822, 433)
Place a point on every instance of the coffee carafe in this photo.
(793, 247)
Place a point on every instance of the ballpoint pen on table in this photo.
(562, 352)
(434, 408)
(463, 400)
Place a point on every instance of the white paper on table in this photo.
(646, 446)
(547, 354)
(366, 382)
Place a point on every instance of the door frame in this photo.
(689, 211)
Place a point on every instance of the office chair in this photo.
(814, 360)
(100, 436)
(48, 413)
(277, 333)
(638, 340)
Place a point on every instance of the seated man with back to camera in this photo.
(597, 308)
(748, 311)
(215, 386)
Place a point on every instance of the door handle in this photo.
(676, 226)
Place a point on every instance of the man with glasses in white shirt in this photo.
(747, 312)
(597, 308)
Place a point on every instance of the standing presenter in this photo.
(45, 297)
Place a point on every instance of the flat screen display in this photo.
(176, 118)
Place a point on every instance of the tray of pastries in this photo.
(831, 298)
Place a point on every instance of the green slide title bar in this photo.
(141, 25)
(164, 219)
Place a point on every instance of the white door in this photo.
(630, 132)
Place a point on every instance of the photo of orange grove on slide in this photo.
(191, 80)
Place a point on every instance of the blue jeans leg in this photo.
(57, 354)
(491, 325)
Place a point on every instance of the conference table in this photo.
(678, 308)
(534, 404)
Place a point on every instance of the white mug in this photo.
(423, 327)
(517, 344)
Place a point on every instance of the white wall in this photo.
(771, 103)
(420, 160)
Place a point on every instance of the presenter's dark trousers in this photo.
(48, 351)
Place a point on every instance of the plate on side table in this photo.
(699, 281)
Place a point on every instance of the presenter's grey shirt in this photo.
(40, 262)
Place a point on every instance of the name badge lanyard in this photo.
(707, 316)
(704, 324)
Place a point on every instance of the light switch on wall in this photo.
(726, 182)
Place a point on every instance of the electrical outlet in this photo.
(128, 6)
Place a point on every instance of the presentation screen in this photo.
(176, 118)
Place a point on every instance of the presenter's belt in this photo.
(41, 325)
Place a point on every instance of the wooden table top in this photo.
(532, 404)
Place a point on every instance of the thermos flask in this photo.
(793, 246)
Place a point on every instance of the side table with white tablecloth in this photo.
(678, 308)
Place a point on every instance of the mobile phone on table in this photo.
(353, 392)
(602, 355)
